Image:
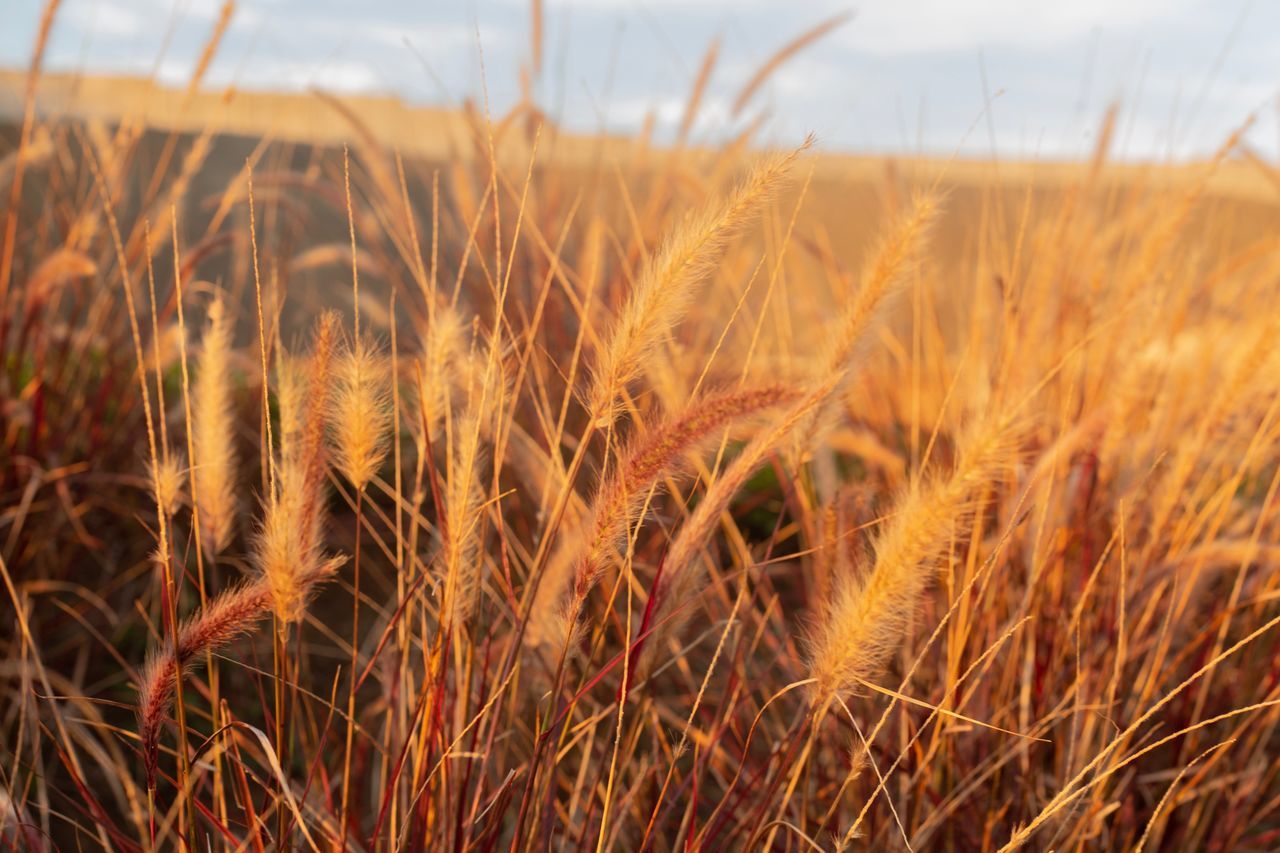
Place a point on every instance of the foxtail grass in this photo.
(463, 523)
(359, 425)
(866, 620)
(714, 575)
(436, 370)
(360, 412)
(224, 618)
(659, 453)
(290, 544)
(670, 280)
(213, 432)
(169, 478)
(669, 598)
(887, 270)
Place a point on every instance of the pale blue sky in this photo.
(902, 76)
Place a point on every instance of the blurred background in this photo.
(1018, 80)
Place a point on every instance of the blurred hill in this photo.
(296, 142)
(440, 134)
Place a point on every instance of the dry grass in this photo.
(706, 498)
(212, 430)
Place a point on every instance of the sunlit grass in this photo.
(551, 496)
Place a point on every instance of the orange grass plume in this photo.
(213, 432)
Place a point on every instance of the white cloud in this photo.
(434, 37)
(899, 69)
(911, 26)
(199, 10)
(920, 26)
(631, 5)
(117, 21)
(338, 76)
(631, 113)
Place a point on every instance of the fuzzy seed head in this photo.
(868, 616)
(290, 542)
(678, 575)
(436, 369)
(668, 282)
(213, 431)
(360, 413)
(167, 481)
(644, 463)
(291, 393)
(463, 501)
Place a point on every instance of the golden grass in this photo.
(360, 412)
(290, 545)
(213, 425)
(622, 497)
(669, 283)
(679, 504)
(862, 626)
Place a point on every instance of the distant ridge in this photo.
(306, 117)
(443, 134)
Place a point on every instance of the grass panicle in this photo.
(462, 560)
(230, 614)
(885, 274)
(660, 453)
(214, 431)
(675, 582)
(670, 280)
(360, 413)
(436, 370)
(867, 617)
(290, 544)
(168, 479)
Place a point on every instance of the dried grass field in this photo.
(533, 491)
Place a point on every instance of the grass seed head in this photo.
(213, 432)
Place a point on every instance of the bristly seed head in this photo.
(360, 412)
(168, 478)
(213, 432)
